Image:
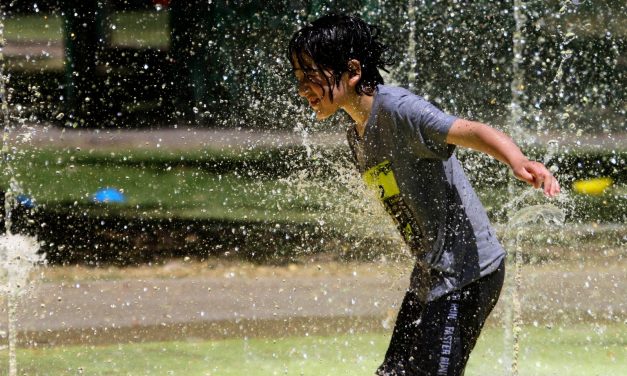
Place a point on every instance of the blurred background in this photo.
(158, 148)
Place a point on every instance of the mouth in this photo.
(313, 102)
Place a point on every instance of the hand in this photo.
(537, 175)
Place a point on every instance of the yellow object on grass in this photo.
(592, 186)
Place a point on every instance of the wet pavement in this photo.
(209, 307)
(169, 139)
(235, 140)
(232, 306)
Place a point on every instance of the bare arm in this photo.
(481, 137)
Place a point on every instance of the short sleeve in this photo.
(426, 127)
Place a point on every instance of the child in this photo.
(403, 146)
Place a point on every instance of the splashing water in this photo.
(301, 128)
(411, 45)
(335, 179)
(525, 218)
(512, 321)
(18, 253)
(546, 214)
(522, 222)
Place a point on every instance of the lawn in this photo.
(202, 185)
(38, 28)
(258, 185)
(565, 350)
(134, 29)
(196, 202)
(262, 186)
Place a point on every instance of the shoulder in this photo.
(396, 93)
(400, 102)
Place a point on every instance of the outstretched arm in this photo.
(481, 137)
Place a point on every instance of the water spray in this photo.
(18, 253)
(519, 223)
(521, 219)
(411, 46)
(513, 323)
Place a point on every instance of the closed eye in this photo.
(313, 76)
(309, 75)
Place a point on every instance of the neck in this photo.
(359, 108)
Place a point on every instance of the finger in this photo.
(552, 187)
(541, 175)
(537, 177)
(555, 187)
(538, 181)
(525, 176)
(549, 187)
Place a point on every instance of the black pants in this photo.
(436, 338)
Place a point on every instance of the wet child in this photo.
(404, 147)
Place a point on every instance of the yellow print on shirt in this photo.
(381, 178)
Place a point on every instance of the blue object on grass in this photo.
(25, 201)
(109, 196)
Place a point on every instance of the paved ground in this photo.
(167, 138)
(237, 139)
(295, 302)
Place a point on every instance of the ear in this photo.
(354, 72)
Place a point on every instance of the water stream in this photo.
(18, 253)
(522, 223)
(512, 319)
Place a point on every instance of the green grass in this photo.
(569, 350)
(211, 184)
(39, 28)
(136, 29)
(201, 185)
(563, 350)
(141, 29)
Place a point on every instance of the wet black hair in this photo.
(334, 39)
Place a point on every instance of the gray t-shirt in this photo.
(404, 155)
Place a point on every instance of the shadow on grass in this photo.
(97, 235)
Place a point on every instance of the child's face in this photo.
(315, 86)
